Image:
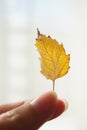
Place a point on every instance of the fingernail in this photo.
(66, 104)
(45, 103)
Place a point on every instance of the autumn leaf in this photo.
(53, 58)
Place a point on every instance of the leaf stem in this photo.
(53, 85)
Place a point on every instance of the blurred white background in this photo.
(20, 78)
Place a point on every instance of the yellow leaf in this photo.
(53, 58)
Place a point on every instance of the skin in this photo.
(31, 114)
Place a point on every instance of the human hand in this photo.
(31, 114)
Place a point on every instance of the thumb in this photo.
(31, 115)
(44, 108)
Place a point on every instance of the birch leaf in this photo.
(53, 58)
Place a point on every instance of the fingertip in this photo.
(62, 105)
(45, 103)
(65, 104)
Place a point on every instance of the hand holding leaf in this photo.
(53, 58)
